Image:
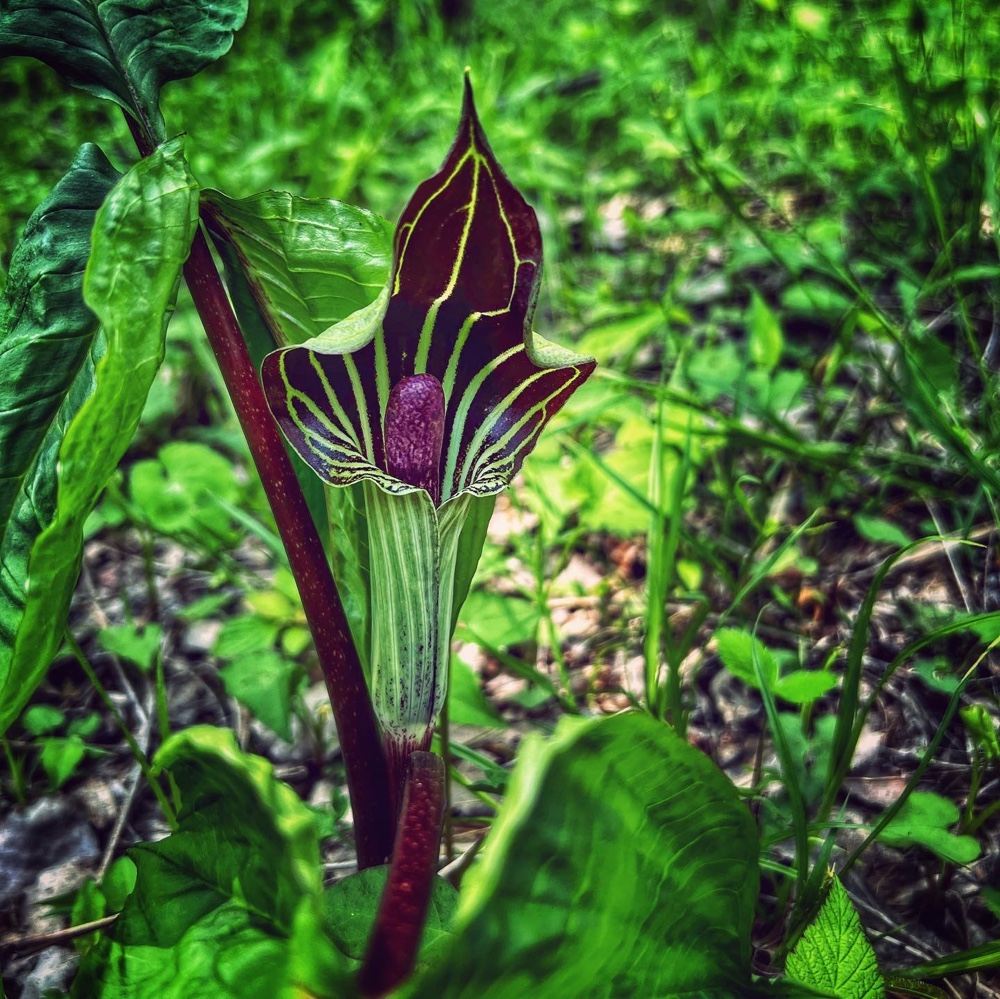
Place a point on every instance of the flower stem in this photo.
(392, 949)
(357, 728)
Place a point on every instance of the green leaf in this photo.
(466, 703)
(123, 52)
(129, 642)
(803, 685)
(309, 264)
(622, 864)
(230, 904)
(263, 683)
(767, 342)
(813, 298)
(81, 400)
(499, 620)
(834, 954)
(737, 650)
(619, 339)
(351, 906)
(923, 821)
(61, 757)
(177, 492)
(983, 730)
(467, 258)
(40, 719)
(880, 531)
(245, 634)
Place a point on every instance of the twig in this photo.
(143, 738)
(949, 551)
(39, 941)
(139, 754)
(453, 871)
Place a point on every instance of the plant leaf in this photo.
(229, 904)
(309, 263)
(467, 257)
(123, 52)
(923, 821)
(263, 682)
(834, 954)
(737, 650)
(351, 905)
(767, 341)
(467, 705)
(128, 641)
(622, 864)
(85, 400)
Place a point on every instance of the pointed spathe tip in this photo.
(468, 103)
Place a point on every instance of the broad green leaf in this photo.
(812, 298)
(880, 530)
(351, 905)
(243, 635)
(621, 338)
(983, 730)
(230, 904)
(127, 641)
(123, 52)
(499, 620)
(923, 821)
(95, 390)
(804, 685)
(737, 650)
(309, 264)
(40, 719)
(176, 492)
(834, 954)
(61, 757)
(46, 330)
(263, 682)
(467, 704)
(622, 864)
(467, 257)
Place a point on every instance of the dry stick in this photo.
(39, 941)
(364, 759)
(133, 745)
(949, 551)
(143, 739)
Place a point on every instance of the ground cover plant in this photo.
(762, 526)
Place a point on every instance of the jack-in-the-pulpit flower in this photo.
(429, 398)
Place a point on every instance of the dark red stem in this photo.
(399, 925)
(357, 728)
